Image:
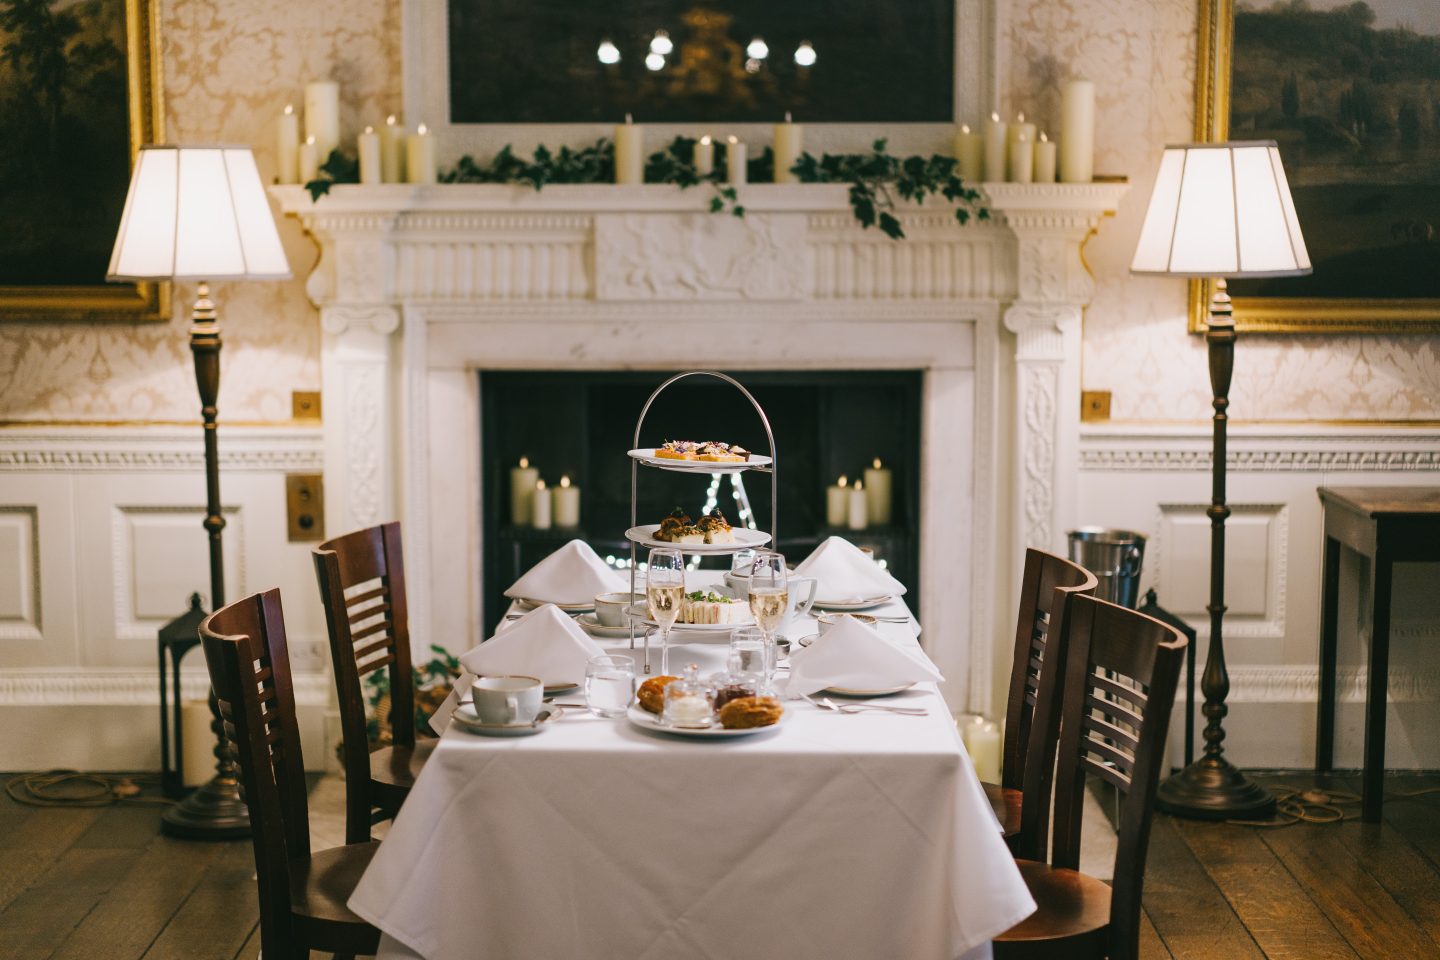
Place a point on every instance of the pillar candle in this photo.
(522, 491)
(995, 149)
(197, 762)
(970, 152)
(566, 502)
(392, 151)
(982, 742)
(629, 152)
(287, 146)
(1077, 132)
(705, 156)
(1013, 133)
(789, 143)
(837, 502)
(1045, 160)
(540, 507)
(420, 155)
(857, 518)
(877, 493)
(322, 116)
(1022, 159)
(307, 162)
(735, 161)
(367, 145)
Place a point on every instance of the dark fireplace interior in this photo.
(580, 424)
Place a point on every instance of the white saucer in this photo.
(595, 628)
(876, 692)
(745, 539)
(646, 720)
(465, 715)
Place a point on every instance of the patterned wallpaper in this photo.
(230, 68)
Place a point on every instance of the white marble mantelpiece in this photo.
(421, 286)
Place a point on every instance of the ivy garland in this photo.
(875, 179)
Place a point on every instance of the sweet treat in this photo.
(732, 688)
(652, 693)
(672, 524)
(709, 450)
(689, 702)
(707, 606)
(716, 528)
(677, 450)
(743, 713)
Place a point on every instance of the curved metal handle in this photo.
(1130, 565)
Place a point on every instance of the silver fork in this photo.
(825, 703)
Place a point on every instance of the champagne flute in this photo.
(769, 600)
(664, 591)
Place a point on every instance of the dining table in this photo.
(858, 835)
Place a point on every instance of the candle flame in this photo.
(539, 484)
(524, 462)
(787, 116)
(310, 140)
(390, 120)
(843, 482)
(422, 129)
(289, 109)
(1020, 117)
(964, 128)
(369, 129)
(994, 117)
(734, 140)
(565, 480)
(859, 484)
(1043, 138)
(876, 464)
(706, 140)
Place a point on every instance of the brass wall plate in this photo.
(305, 404)
(304, 507)
(1094, 405)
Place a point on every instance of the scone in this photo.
(745, 712)
(652, 693)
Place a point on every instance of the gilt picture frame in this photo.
(1366, 198)
(91, 40)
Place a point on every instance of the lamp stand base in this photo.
(213, 812)
(1212, 789)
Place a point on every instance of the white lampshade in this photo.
(197, 213)
(1221, 210)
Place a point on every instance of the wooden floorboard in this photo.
(1190, 913)
(218, 917)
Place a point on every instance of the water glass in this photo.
(609, 685)
(751, 653)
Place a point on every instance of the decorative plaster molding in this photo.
(339, 319)
(1378, 451)
(126, 687)
(1038, 388)
(103, 449)
(1301, 684)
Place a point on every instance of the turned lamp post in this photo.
(200, 213)
(1219, 210)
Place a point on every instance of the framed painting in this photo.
(79, 93)
(1350, 89)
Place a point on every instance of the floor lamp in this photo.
(1219, 210)
(200, 213)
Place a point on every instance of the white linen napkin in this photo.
(544, 643)
(845, 573)
(440, 719)
(855, 656)
(573, 574)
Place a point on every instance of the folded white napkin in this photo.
(544, 643)
(845, 573)
(573, 574)
(853, 655)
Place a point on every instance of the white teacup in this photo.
(508, 700)
(829, 620)
(610, 607)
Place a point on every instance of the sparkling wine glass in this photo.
(769, 598)
(664, 591)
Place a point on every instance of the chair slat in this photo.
(1120, 690)
(1110, 775)
(385, 643)
(380, 591)
(1111, 732)
(1109, 752)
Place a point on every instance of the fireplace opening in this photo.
(579, 425)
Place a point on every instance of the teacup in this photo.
(829, 620)
(610, 607)
(508, 700)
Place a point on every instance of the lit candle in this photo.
(1019, 155)
(705, 157)
(837, 502)
(970, 151)
(522, 491)
(540, 507)
(368, 147)
(735, 161)
(287, 147)
(198, 761)
(789, 144)
(629, 152)
(392, 151)
(858, 517)
(995, 149)
(877, 493)
(1045, 160)
(420, 156)
(322, 116)
(309, 165)
(982, 742)
(1077, 132)
(566, 501)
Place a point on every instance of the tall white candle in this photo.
(858, 516)
(540, 507)
(287, 146)
(1014, 160)
(705, 156)
(837, 502)
(1077, 132)
(629, 152)
(420, 155)
(982, 742)
(878, 493)
(994, 149)
(789, 144)
(566, 502)
(307, 162)
(735, 161)
(197, 763)
(970, 152)
(367, 145)
(1044, 160)
(322, 116)
(522, 491)
(392, 151)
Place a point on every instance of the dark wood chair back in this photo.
(1049, 584)
(249, 667)
(362, 587)
(1120, 678)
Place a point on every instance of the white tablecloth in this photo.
(830, 837)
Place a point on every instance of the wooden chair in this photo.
(1045, 593)
(1119, 683)
(302, 894)
(362, 586)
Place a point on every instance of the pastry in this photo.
(652, 693)
(715, 527)
(677, 450)
(672, 525)
(707, 606)
(743, 713)
(721, 453)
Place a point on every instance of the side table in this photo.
(1387, 525)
